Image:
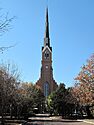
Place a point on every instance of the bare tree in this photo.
(5, 25)
(9, 81)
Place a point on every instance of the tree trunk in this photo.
(89, 115)
(2, 112)
(11, 111)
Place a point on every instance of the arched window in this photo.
(46, 89)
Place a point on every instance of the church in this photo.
(46, 82)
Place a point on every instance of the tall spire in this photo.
(46, 37)
(47, 25)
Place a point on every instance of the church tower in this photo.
(46, 82)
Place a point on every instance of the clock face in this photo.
(46, 54)
(46, 67)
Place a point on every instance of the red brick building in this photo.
(46, 81)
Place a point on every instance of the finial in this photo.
(47, 3)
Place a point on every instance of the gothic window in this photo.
(46, 55)
(46, 89)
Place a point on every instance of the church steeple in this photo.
(46, 36)
(47, 25)
(46, 81)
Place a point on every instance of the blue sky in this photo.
(71, 34)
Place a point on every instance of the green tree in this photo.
(61, 101)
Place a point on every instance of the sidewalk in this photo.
(59, 118)
(47, 117)
(90, 121)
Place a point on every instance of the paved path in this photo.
(47, 120)
(57, 123)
